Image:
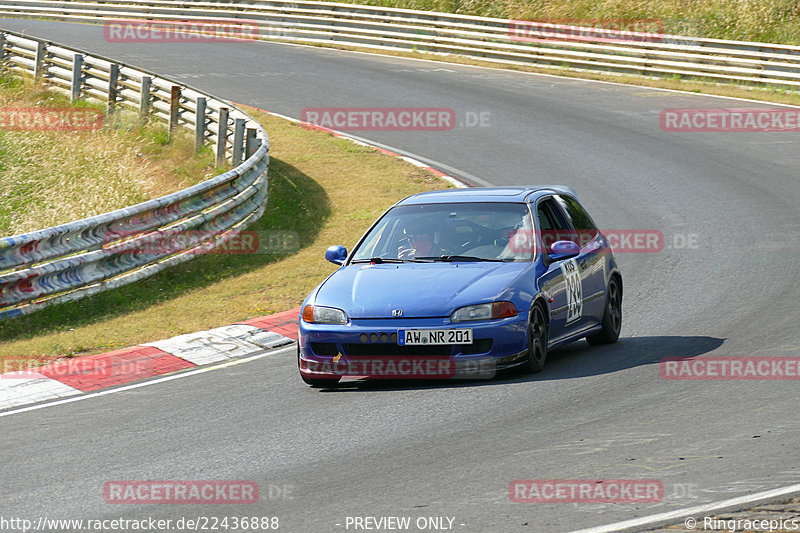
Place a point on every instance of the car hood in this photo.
(418, 289)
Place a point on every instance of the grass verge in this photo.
(326, 189)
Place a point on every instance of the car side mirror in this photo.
(336, 254)
(563, 250)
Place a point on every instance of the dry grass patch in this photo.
(52, 177)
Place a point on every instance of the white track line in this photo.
(665, 518)
(183, 374)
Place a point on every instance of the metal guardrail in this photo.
(87, 256)
(499, 40)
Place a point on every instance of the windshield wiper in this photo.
(377, 260)
(450, 258)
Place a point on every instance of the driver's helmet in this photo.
(420, 235)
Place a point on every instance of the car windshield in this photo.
(450, 232)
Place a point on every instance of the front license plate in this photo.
(408, 337)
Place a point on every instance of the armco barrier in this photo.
(508, 41)
(73, 260)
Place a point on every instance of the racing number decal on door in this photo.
(574, 289)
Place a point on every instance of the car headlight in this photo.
(316, 314)
(484, 312)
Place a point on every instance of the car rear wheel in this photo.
(315, 382)
(612, 316)
(537, 341)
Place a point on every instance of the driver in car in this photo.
(419, 242)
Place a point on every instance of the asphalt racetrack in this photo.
(725, 284)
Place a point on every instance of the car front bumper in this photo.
(368, 348)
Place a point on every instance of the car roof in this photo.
(488, 194)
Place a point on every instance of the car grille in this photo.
(387, 349)
(324, 348)
(478, 346)
(329, 349)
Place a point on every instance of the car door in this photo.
(591, 260)
(561, 284)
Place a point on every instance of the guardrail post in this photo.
(222, 135)
(174, 107)
(38, 68)
(200, 124)
(238, 141)
(77, 77)
(144, 98)
(2, 46)
(113, 88)
(250, 143)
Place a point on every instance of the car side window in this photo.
(580, 220)
(554, 227)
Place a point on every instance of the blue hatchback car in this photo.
(461, 283)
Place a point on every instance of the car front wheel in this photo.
(537, 341)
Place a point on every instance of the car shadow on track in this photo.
(572, 361)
